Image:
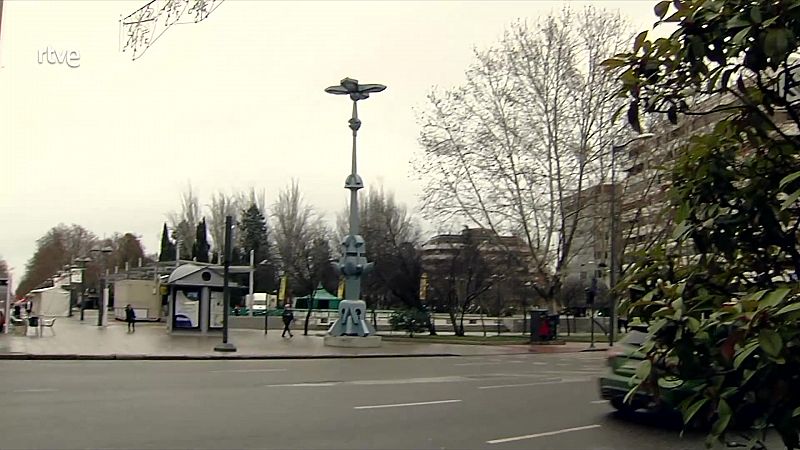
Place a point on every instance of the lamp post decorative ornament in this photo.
(353, 263)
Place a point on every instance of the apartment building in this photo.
(590, 249)
(506, 257)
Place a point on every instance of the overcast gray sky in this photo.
(232, 102)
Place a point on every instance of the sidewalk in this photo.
(74, 339)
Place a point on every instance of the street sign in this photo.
(76, 276)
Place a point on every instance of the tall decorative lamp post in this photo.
(613, 231)
(82, 261)
(353, 263)
(103, 306)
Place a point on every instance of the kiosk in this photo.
(195, 299)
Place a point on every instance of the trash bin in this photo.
(33, 321)
(539, 324)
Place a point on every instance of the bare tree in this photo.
(392, 239)
(303, 243)
(58, 247)
(221, 205)
(233, 204)
(457, 282)
(185, 220)
(528, 131)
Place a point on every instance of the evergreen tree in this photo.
(167, 252)
(254, 235)
(201, 246)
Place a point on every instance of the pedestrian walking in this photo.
(288, 318)
(130, 317)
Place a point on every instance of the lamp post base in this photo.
(225, 347)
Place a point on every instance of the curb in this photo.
(131, 357)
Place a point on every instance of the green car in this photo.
(623, 359)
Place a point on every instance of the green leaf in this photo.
(789, 178)
(773, 298)
(639, 41)
(670, 382)
(791, 199)
(741, 36)
(755, 14)
(788, 308)
(736, 22)
(724, 412)
(630, 394)
(661, 8)
(775, 42)
(613, 63)
(643, 371)
(771, 342)
(796, 412)
(742, 354)
(755, 295)
(692, 410)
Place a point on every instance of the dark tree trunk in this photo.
(308, 313)
(431, 323)
(454, 321)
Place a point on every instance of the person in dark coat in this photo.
(288, 318)
(130, 317)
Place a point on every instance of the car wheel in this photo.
(619, 404)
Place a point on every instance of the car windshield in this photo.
(635, 337)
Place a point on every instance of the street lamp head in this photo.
(349, 86)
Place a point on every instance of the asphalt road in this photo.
(501, 402)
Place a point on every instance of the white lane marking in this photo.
(538, 383)
(25, 391)
(247, 370)
(489, 363)
(539, 363)
(599, 402)
(396, 405)
(303, 385)
(453, 379)
(570, 372)
(537, 435)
